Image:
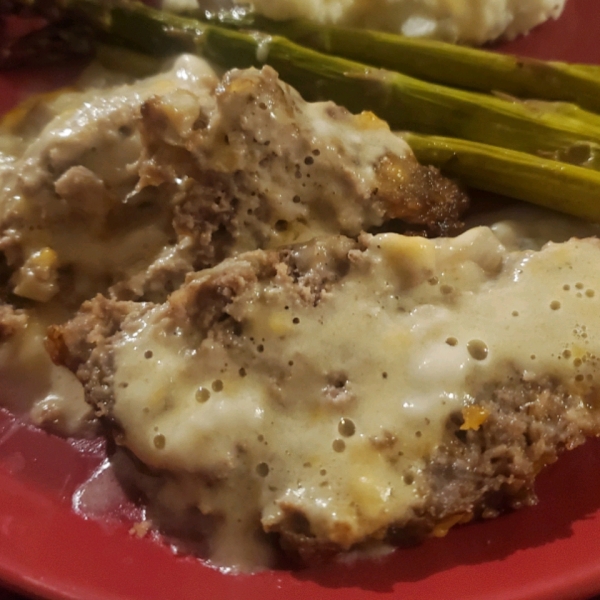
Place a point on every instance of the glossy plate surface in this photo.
(548, 552)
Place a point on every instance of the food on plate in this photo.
(124, 188)
(465, 21)
(340, 392)
(559, 131)
(263, 369)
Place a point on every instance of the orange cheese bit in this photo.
(444, 526)
(474, 416)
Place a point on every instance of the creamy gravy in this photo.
(57, 126)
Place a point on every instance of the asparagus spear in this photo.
(566, 188)
(404, 102)
(438, 62)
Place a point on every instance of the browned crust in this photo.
(425, 198)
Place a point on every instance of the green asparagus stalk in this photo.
(438, 62)
(404, 102)
(562, 187)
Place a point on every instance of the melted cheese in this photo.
(330, 411)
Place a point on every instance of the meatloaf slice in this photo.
(340, 393)
(125, 188)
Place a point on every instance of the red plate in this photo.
(548, 552)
